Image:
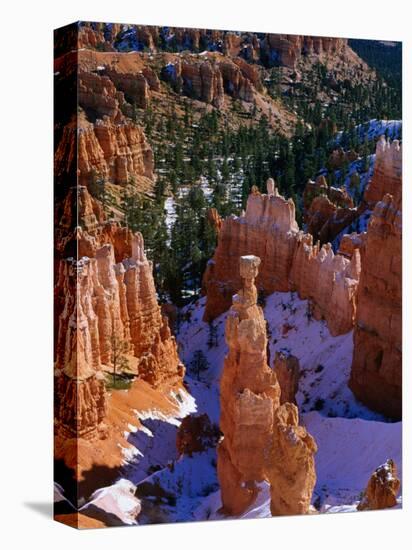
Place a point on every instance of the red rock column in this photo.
(261, 439)
(376, 375)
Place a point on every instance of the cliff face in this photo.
(376, 375)
(272, 49)
(80, 403)
(290, 261)
(100, 140)
(387, 175)
(260, 435)
(209, 77)
(118, 152)
(106, 309)
(287, 49)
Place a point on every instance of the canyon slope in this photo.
(359, 286)
(225, 346)
(108, 322)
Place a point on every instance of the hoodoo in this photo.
(290, 261)
(259, 435)
(382, 489)
(105, 309)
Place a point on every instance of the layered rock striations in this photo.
(387, 173)
(259, 434)
(106, 307)
(271, 49)
(80, 395)
(117, 152)
(290, 261)
(210, 77)
(287, 49)
(376, 375)
(101, 140)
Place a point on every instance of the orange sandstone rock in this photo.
(250, 399)
(291, 470)
(102, 306)
(382, 489)
(376, 375)
(387, 174)
(287, 372)
(290, 261)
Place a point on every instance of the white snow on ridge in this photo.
(117, 499)
(375, 128)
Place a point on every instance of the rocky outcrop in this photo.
(287, 372)
(328, 210)
(98, 96)
(252, 420)
(209, 77)
(318, 214)
(287, 49)
(202, 81)
(291, 470)
(387, 173)
(272, 49)
(80, 396)
(290, 261)
(376, 375)
(314, 189)
(117, 152)
(239, 79)
(351, 242)
(106, 312)
(214, 219)
(382, 489)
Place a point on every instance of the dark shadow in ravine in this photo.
(79, 492)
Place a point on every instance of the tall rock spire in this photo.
(254, 448)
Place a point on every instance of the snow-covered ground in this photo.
(373, 129)
(352, 440)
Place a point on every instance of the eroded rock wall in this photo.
(376, 375)
(106, 308)
(290, 261)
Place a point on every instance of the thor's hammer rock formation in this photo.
(262, 439)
